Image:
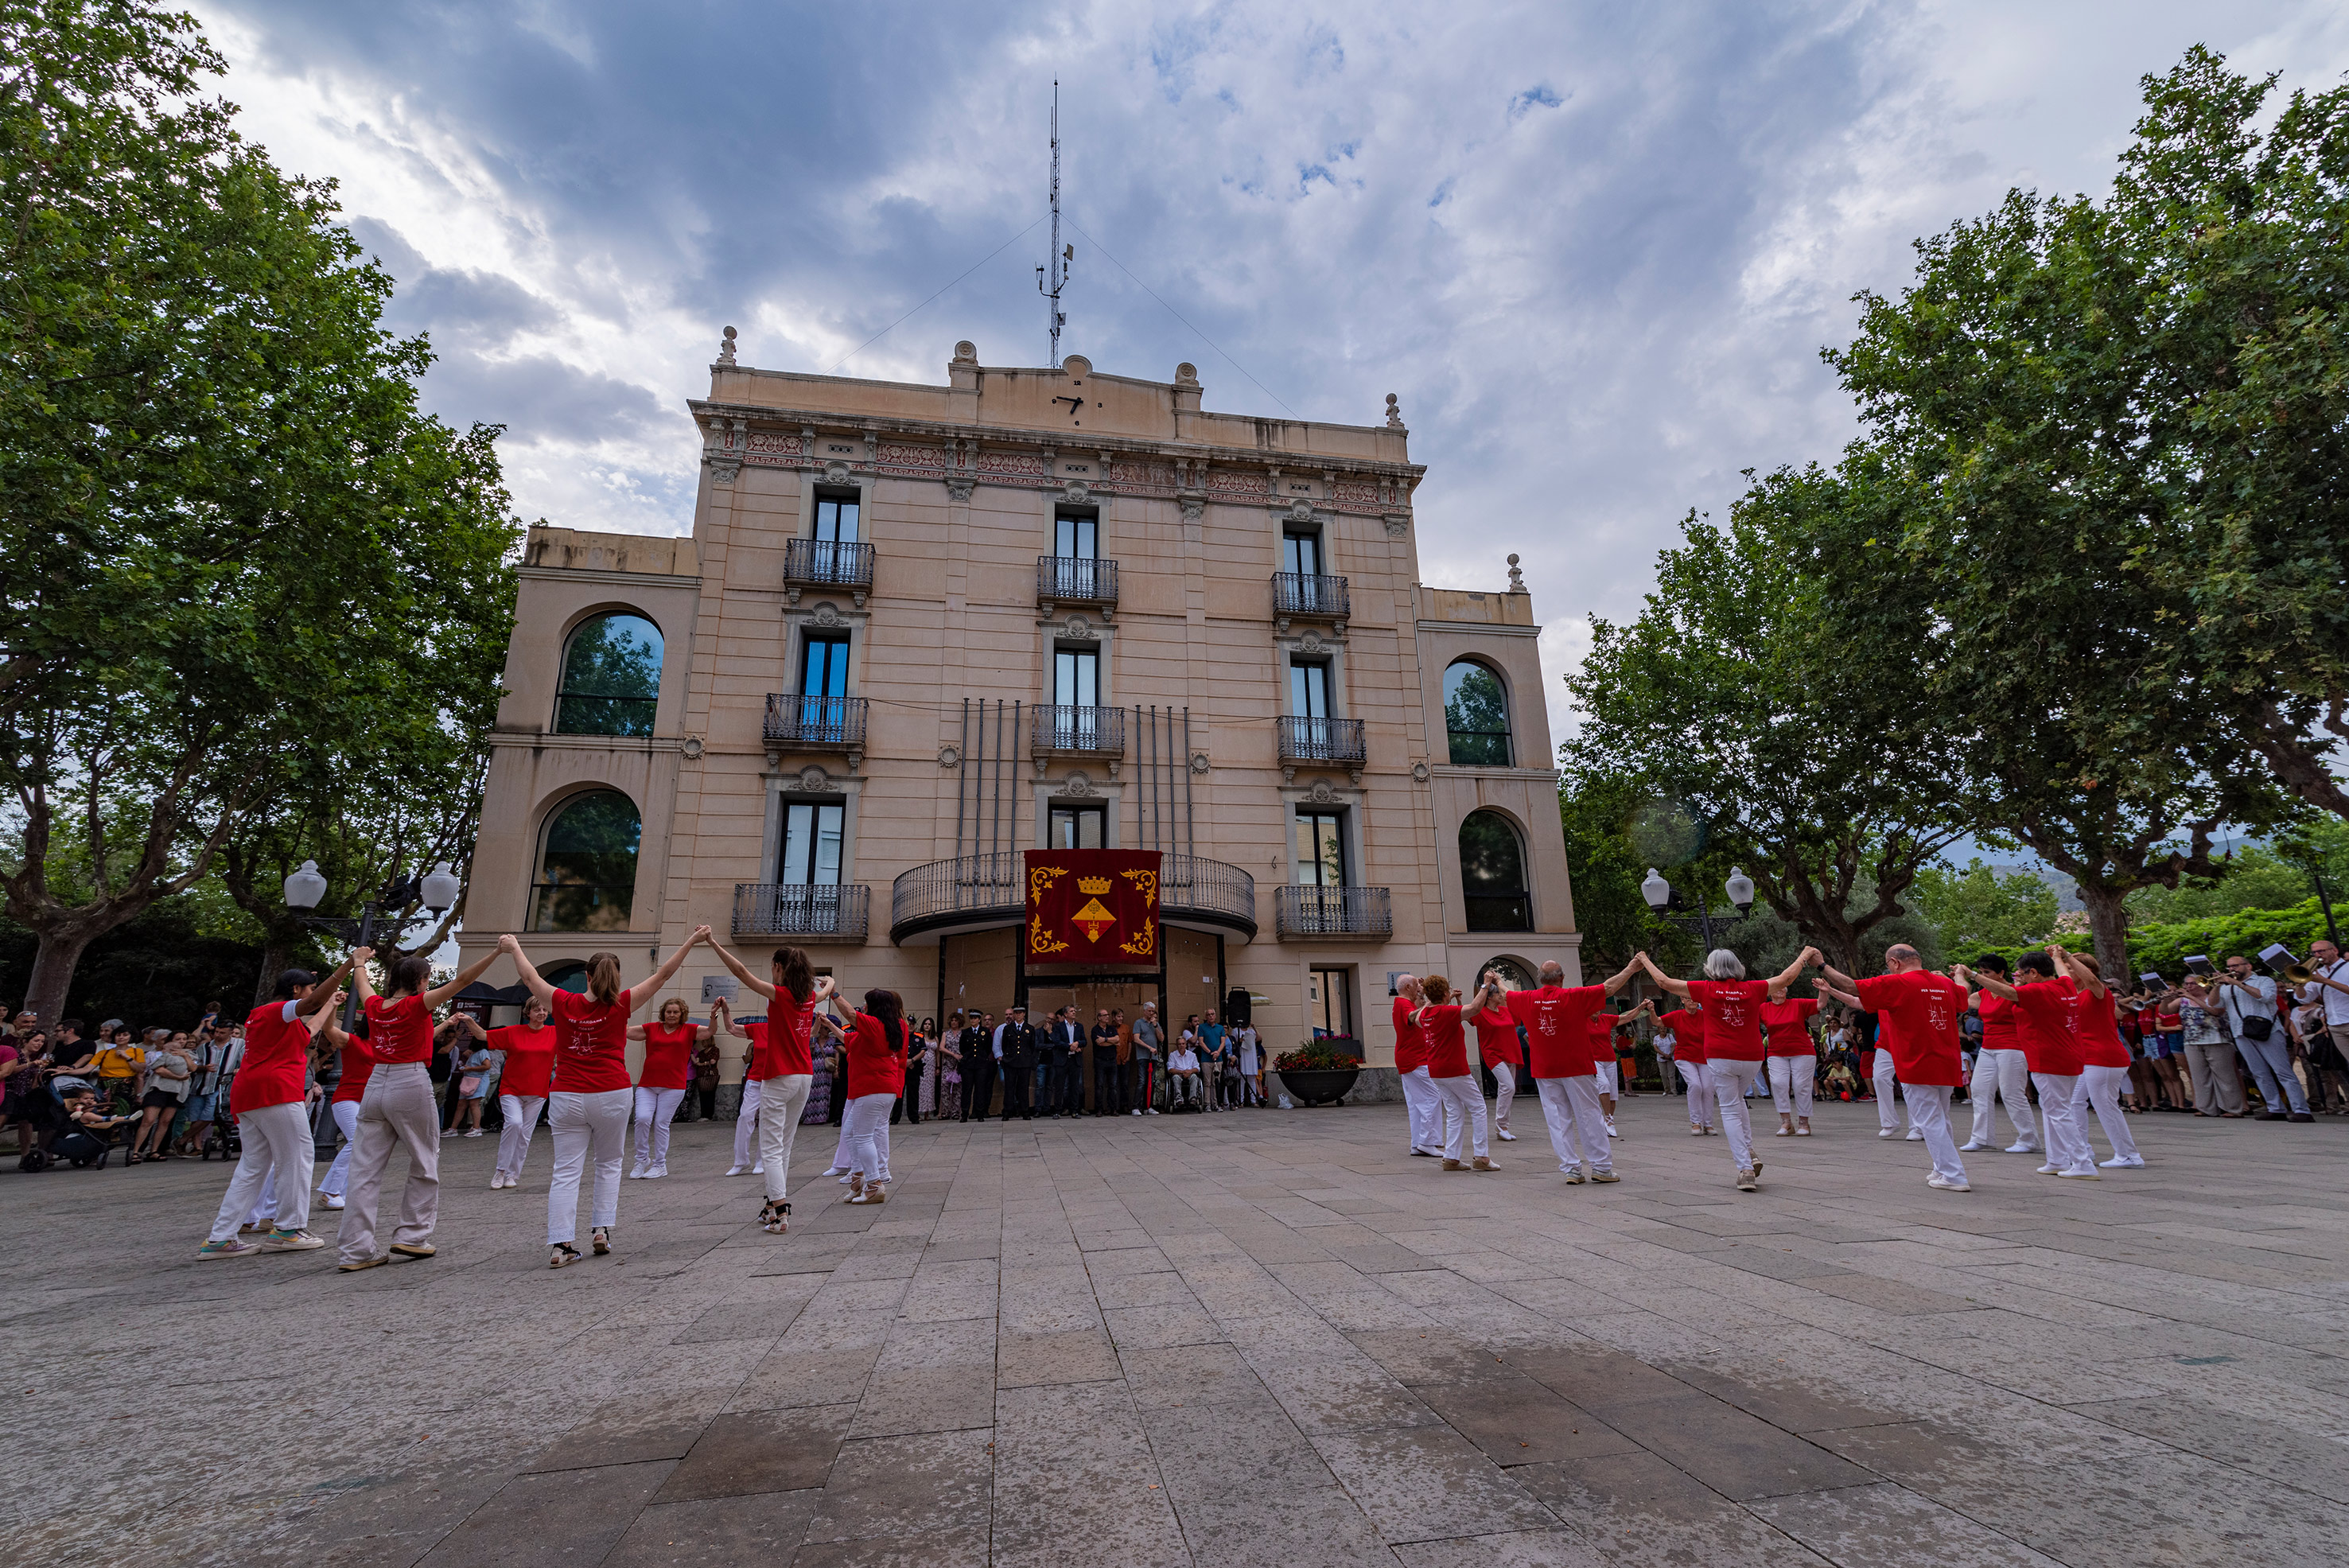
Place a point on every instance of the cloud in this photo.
(1595, 248)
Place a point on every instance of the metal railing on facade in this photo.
(1308, 593)
(1321, 740)
(1067, 727)
(1075, 580)
(833, 722)
(830, 562)
(984, 885)
(1301, 911)
(835, 914)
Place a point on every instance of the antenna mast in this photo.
(1055, 271)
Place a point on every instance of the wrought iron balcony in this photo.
(1310, 593)
(1094, 732)
(827, 563)
(1339, 740)
(1075, 580)
(814, 723)
(1305, 913)
(977, 890)
(813, 914)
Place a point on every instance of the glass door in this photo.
(1075, 828)
(823, 688)
(1076, 698)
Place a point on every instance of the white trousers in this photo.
(346, 1123)
(1791, 1080)
(867, 1120)
(579, 1123)
(785, 1097)
(1420, 1098)
(654, 1109)
(1603, 1073)
(1700, 1091)
(1928, 1113)
(1465, 1104)
(1505, 1091)
(2001, 1075)
(1888, 1109)
(2067, 1144)
(521, 1113)
(746, 1121)
(1731, 1079)
(398, 1111)
(1577, 1129)
(2102, 1088)
(274, 1137)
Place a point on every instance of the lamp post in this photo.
(1665, 901)
(436, 890)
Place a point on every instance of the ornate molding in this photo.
(1398, 525)
(1199, 764)
(813, 780)
(1078, 629)
(1419, 772)
(949, 756)
(1078, 785)
(691, 745)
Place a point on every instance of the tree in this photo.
(1984, 908)
(1727, 695)
(228, 540)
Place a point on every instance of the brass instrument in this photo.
(2298, 973)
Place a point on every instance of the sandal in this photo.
(775, 1218)
(600, 1237)
(565, 1255)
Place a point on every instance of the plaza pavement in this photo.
(1266, 1337)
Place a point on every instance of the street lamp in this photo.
(1663, 897)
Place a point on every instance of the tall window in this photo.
(1309, 688)
(611, 677)
(1076, 698)
(587, 865)
(1300, 552)
(1493, 874)
(1320, 848)
(1330, 1001)
(1076, 828)
(836, 526)
(824, 681)
(811, 843)
(1476, 715)
(1076, 536)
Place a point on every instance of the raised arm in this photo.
(315, 1002)
(530, 976)
(2082, 975)
(461, 979)
(1793, 972)
(319, 1020)
(1623, 976)
(645, 989)
(1677, 987)
(1989, 983)
(765, 988)
(722, 1017)
(1847, 998)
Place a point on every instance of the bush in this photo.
(2162, 948)
(1334, 1053)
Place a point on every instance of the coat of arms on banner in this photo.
(1092, 908)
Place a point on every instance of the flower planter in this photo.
(1319, 1085)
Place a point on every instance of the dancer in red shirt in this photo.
(875, 1051)
(1916, 1014)
(2043, 1023)
(1422, 1103)
(782, 1065)
(1999, 1071)
(1733, 1038)
(660, 1083)
(1794, 1061)
(269, 1100)
(588, 1105)
(1557, 1052)
(2104, 1060)
(1604, 1025)
(1439, 1020)
(358, 1064)
(1496, 1046)
(522, 1086)
(398, 1111)
(1687, 1024)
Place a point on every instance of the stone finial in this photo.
(966, 352)
(1516, 578)
(726, 348)
(1394, 413)
(1186, 374)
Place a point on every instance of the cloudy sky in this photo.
(1595, 248)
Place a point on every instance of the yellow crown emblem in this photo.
(1094, 887)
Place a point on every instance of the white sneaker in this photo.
(760, 1169)
(2083, 1173)
(1610, 1128)
(1887, 1132)
(656, 1172)
(1914, 1135)
(1972, 1146)
(2124, 1162)
(1937, 1180)
(472, 1132)
(849, 1177)
(635, 1173)
(2024, 1148)
(1153, 1111)
(1506, 1136)
(836, 1171)
(1784, 1132)
(736, 1169)
(2051, 1169)
(1138, 1113)
(447, 1132)
(334, 1203)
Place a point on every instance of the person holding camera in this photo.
(2261, 1038)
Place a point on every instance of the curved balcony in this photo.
(813, 914)
(1308, 914)
(977, 892)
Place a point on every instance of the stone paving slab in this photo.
(1260, 1338)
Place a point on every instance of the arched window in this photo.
(1476, 715)
(588, 867)
(1493, 874)
(611, 677)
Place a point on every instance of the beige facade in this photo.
(943, 624)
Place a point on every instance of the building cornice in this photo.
(599, 574)
(547, 739)
(1487, 628)
(1461, 771)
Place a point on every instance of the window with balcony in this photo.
(1309, 687)
(1476, 715)
(611, 677)
(587, 865)
(1320, 848)
(1076, 828)
(824, 686)
(1493, 874)
(1075, 720)
(1300, 552)
(1076, 536)
(812, 834)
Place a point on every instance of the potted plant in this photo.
(1321, 1072)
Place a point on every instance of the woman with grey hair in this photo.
(1733, 1038)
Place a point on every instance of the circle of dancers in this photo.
(2049, 1019)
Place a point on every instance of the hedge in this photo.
(2162, 947)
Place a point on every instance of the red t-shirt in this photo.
(668, 1056)
(1496, 1037)
(1410, 1044)
(790, 1048)
(1789, 1025)
(1917, 1020)
(873, 1067)
(1733, 1016)
(530, 1060)
(1447, 1041)
(400, 1031)
(275, 1068)
(1688, 1035)
(1998, 1019)
(1557, 1028)
(359, 1065)
(591, 1048)
(2149, 1022)
(2093, 1028)
(2043, 1023)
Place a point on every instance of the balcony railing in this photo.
(828, 563)
(983, 889)
(1322, 740)
(1306, 912)
(1308, 593)
(817, 723)
(1075, 580)
(1098, 731)
(810, 913)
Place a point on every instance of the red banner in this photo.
(1092, 908)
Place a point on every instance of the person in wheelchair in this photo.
(1182, 1081)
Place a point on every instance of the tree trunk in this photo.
(53, 971)
(2108, 925)
(276, 957)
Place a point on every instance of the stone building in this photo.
(918, 628)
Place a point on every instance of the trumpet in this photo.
(2298, 973)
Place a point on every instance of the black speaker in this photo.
(1236, 1007)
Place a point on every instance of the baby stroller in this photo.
(219, 1138)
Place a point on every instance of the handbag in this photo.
(2256, 1028)
(467, 1085)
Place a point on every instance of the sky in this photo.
(1594, 249)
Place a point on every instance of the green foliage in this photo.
(2164, 947)
(1475, 716)
(1331, 1055)
(1982, 908)
(164, 968)
(1607, 869)
(2258, 878)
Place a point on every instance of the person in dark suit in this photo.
(979, 1067)
(1066, 1048)
(1015, 1044)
